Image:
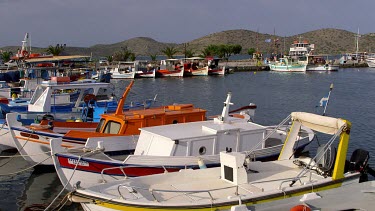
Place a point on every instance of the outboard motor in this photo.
(359, 162)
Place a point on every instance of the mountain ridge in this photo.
(326, 40)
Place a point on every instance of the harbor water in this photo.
(275, 94)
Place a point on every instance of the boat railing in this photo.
(122, 170)
(134, 190)
(269, 134)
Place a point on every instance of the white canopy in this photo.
(323, 124)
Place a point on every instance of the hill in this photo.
(327, 41)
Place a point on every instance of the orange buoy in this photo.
(300, 207)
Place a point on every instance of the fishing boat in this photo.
(238, 182)
(144, 69)
(170, 68)
(287, 65)
(124, 70)
(53, 101)
(195, 66)
(318, 63)
(350, 196)
(171, 148)
(214, 68)
(371, 62)
(122, 127)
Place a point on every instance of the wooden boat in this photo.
(121, 126)
(170, 68)
(286, 65)
(170, 148)
(46, 104)
(195, 66)
(318, 63)
(238, 181)
(124, 70)
(214, 68)
(350, 196)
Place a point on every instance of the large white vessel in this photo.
(301, 49)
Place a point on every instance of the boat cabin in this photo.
(200, 138)
(129, 122)
(45, 94)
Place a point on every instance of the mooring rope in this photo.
(23, 170)
(71, 176)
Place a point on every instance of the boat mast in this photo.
(225, 114)
(357, 36)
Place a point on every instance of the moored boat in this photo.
(123, 126)
(170, 68)
(214, 68)
(318, 63)
(287, 65)
(170, 148)
(195, 66)
(238, 181)
(371, 62)
(48, 102)
(124, 70)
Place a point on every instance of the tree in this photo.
(169, 52)
(123, 55)
(251, 51)
(5, 55)
(153, 57)
(56, 50)
(132, 57)
(222, 51)
(189, 53)
(110, 59)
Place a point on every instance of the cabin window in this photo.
(100, 125)
(112, 127)
(202, 150)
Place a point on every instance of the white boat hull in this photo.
(326, 67)
(34, 146)
(118, 75)
(199, 72)
(287, 68)
(371, 62)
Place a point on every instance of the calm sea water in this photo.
(275, 94)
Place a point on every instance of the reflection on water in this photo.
(275, 94)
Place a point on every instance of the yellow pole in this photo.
(338, 171)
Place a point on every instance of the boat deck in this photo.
(205, 186)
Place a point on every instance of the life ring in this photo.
(300, 207)
(89, 98)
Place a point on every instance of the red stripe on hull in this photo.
(98, 167)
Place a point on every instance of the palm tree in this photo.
(153, 57)
(5, 55)
(189, 53)
(56, 50)
(169, 52)
(122, 55)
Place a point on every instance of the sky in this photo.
(83, 23)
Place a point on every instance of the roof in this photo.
(190, 130)
(56, 58)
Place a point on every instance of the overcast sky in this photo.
(84, 23)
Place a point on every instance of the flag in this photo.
(323, 101)
(268, 40)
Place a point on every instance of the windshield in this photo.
(112, 127)
(100, 125)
